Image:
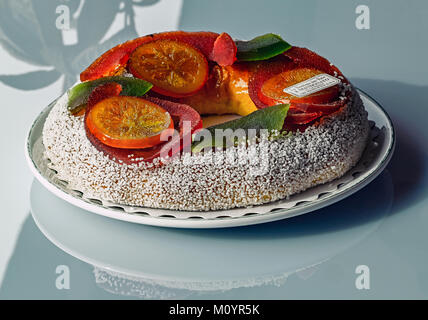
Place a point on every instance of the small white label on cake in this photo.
(317, 83)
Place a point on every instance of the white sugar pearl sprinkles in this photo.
(237, 177)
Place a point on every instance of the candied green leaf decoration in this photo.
(270, 118)
(261, 48)
(79, 94)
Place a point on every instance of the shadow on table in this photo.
(407, 105)
(406, 235)
(32, 31)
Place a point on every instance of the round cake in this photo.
(269, 168)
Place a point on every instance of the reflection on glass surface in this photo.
(126, 285)
(300, 257)
(159, 263)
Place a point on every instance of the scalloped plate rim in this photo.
(281, 213)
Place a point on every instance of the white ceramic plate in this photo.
(375, 158)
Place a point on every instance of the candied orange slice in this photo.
(175, 68)
(274, 87)
(128, 122)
